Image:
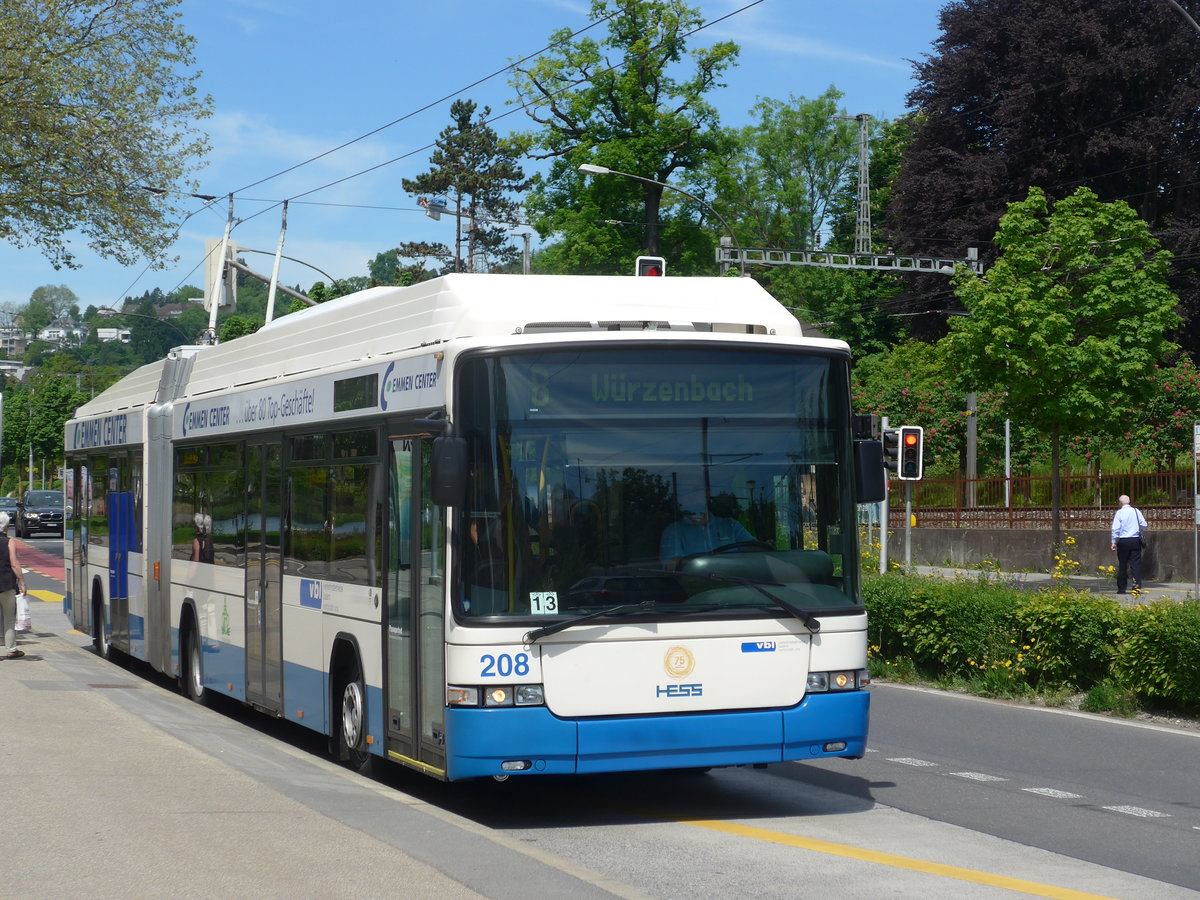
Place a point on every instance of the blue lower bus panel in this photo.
(479, 742)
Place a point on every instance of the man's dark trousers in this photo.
(1129, 563)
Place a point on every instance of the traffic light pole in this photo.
(883, 511)
(908, 526)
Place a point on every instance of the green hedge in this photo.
(1050, 638)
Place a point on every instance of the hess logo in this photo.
(679, 663)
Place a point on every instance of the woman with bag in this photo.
(12, 579)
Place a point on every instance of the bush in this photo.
(1005, 640)
(1158, 653)
(1070, 635)
(944, 626)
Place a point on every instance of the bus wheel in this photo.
(193, 671)
(100, 641)
(352, 724)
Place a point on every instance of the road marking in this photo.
(1139, 812)
(45, 596)
(891, 859)
(909, 761)
(978, 776)
(1051, 792)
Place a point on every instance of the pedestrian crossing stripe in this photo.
(45, 596)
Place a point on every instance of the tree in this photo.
(788, 169)
(1070, 321)
(475, 171)
(390, 266)
(1054, 93)
(96, 104)
(35, 415)
(850, 306)
(618, 103)
(47, 304)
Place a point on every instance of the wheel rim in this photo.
(352, 714)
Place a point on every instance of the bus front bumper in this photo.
(532, 741)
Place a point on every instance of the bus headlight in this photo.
(529, 695)
(494, 695)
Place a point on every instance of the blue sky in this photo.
(292, 79)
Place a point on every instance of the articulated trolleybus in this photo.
(494, 524)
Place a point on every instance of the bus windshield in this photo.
(672, 476)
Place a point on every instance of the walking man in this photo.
(1127, 526)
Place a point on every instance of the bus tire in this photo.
(191, 666)
(350, 721)
(100, 642)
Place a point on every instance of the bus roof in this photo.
(387, 320)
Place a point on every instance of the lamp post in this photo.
(590, 169)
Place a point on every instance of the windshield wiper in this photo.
(811, 622)
(562, 625)
(675, 609)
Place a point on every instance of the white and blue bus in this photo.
(494, 524)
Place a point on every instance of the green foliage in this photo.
(35, 413)
(850, 306)
(1070, 321)
(1160, 430)
(1109, 697)
(1078, 299)
(625, 102)
(1070, 635)
(1004, 641)
(1158, 656)
(476, 171)
(785, 172)
(235, 327)
(95, 103)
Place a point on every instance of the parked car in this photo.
(9, 505)
(39, 511)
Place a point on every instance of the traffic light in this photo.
(912, 439)
(891, 449)
(650, 265)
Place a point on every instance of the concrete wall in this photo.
(1169, 555)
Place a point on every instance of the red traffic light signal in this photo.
(650, 265)
(912, 439)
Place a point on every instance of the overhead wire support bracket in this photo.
(881, 262)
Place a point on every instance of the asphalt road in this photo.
(956, 798)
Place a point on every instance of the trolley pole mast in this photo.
(862, 222)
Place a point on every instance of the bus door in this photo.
(120, 531)
(264, 610)
(416, 682)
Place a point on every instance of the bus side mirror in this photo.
(449, 471)
(869, 483)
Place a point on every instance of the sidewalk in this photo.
(119, 789)
(1151, 590)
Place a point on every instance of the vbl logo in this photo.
(679, 690)
(310, 593)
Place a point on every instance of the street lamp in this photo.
(590, 169)
(108, 312)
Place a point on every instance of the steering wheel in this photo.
(743, 545)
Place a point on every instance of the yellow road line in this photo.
(45, 596)
(891, 859)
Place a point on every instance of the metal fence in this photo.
(1088, 501)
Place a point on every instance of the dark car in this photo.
(40, 511)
